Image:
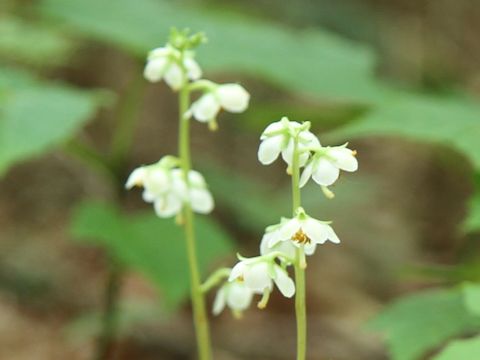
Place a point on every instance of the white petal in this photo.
(148, 196)
(233, 97)
(303, 158)
(156, 181)
(155, 69)
(193, 69)
(309, 248)
(285, 247)
(196, 179)
(206, 108)
(174, 76)
(315, 230)
(160, 52)
(257, 277)
(344, 158)
(167, 206)
(270, 149)
(136, 178)
(239, 296)
(220, 300)
(325, 173)
(331, 235)
(237, 271)
(307, 172)
(289, 229)
(201, 201)
(306, 138)
(283, 282)
(273, 128)
(287, 152)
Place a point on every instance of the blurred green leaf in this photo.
(468, 349)
(472, 222)
(471, 293)
(36, 116)
(445, 121)
(151, 245)
(307, 61)
(418, 323)
(32, 44)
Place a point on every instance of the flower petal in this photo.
(196, 179)
(283, 282)
(287, 152)
(193, 69)
(270, 149)
(257, 277)
(201, 201)
(289, 229)
(174, 76)
(233, 97)
(331, 235)
(155, 69)
(315, 230)
(206, 108)
(273, 128)
(136, 178)
(156, 181)
(220, 301)
(237, 271)
(239, 296)
(325, 173)
(167, 206)
(309, 248)
(306, 174)
(344, 158)
(148, 196)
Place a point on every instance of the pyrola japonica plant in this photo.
(176, 190)
(287, 243)
(171, 185)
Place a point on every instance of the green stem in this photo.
(106, 340)
(300, 305)
(198, 300)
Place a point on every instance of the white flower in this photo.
(260, 273)
(300, 231)
(166, 63)
(325, 166)
(231, 97)
(236, 295)
(278, 138)
(165, 187)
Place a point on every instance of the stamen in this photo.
(354, 152)
(301, 237)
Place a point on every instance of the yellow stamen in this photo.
(301, 237)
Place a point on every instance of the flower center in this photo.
(301, 237)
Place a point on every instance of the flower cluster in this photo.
(288, 242)
(175, 63)
(165, 186)
(323, 164)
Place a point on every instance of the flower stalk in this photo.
(197, 297)
(300, 264)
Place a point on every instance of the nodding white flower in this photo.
(326, 164)
(169, 64)
(165, 187)
(231, 97)
(278, 138)
(299, 231)
(235, 294)
(260, 273)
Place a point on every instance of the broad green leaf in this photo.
(152, 246)
(471, 293)
(36, 116)
(468, 349)
(307, 61)
(421, 322)
(445, 121)
(32, 44)
(472, 222)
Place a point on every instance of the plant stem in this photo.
(198, 300)
(105, 344)
(300, 306)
